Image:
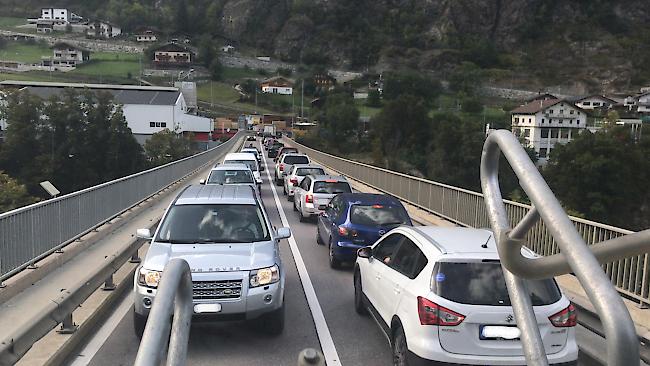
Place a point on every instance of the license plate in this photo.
(207, 308)
(499, 332)
(322, 207)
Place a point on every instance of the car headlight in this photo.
(264, 276)
(148, 277)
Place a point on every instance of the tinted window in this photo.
(306, 171)
(251, 151)
(378, 215)
(409, 259)
(482, 283)
(296, 159)
(331, 187)
(213, 224)
(230, 177)
(384, 250)
(252, 164)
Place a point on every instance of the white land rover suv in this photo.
(440, 297)
(224, 234)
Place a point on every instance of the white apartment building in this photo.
(543, 123)
(643, 103)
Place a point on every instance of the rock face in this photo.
(594, 44)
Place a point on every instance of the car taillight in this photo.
(309, 198)
(565, 318)
(294, 181)
(433, 314)
(344, 231)
(281, 167)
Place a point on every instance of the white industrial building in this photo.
(147, 109)
(543, 123)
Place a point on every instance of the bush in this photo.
(472, 105)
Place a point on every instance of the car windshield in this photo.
(195, 224)
(230, 177)
(482, 283)
(377, 215)
(252, 164)
(252, 151)
(296, 159)
(335, 187)
(306, 171)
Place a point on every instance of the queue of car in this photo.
(438, 294)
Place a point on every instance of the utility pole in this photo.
(211, 97)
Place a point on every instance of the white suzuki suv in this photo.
(226, 237)
(440, 297)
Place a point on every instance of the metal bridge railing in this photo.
(575, 256)
(30, 233)
(173, 301)
(630, 275)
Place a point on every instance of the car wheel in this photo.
(399, 348)
(334, 262)
(359, 307)
(278, 182)
(284, 190)
(273, 322)
(319, 241)
(290, 198)
(139, 322)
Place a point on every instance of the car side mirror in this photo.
(262, 168)
(143, 234)
(283, 233)
(258, 181)
(365, 252)
(202, 181)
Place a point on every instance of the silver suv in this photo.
(225, 235)
(315, 192)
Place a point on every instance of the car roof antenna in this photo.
(485, 244)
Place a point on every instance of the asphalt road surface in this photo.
(346, 338)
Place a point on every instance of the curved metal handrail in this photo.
(575, 256)
(174, 293)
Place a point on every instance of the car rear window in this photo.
(230, 177)
(482, 283)
(306, 171)
(377, 215)
(331, 187)
(288, 150)
(296, 159)
(252, 164)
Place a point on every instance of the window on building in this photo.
(570, 121)
(586, 103)
(163, 124)
(545, 133)
(526, 132)
(596, 104)
(571, 111)
(516, 119)
(561, 111)
(560, 121)
(152, 124)
(543, 120)
(542, 153)
(554, 133)
(550, 111)
(530, 120)
(564, 132)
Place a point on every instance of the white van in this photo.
(248, 159)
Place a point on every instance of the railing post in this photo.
(67, 325)
(109, 285)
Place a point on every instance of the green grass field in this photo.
(225, 94)
(232, 73)
(22, 52)
(364, 110)
(11, 22)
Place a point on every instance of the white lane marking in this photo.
(97, 341)
(323, 332)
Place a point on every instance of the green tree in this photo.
(374, 99)
(411, 83)
(166, 146)
(341, 119)
(216, 70)
(13, 194)
(401, 131)
(466, 78)
(604, 176)
(182, 18)
(207, 53)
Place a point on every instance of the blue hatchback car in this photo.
(355, 220)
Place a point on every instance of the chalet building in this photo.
(543, 123)
(173, 54)
(591, 102)
(324, 80)
(66, 54)
(277, 85)
(147, 36)
(103, 29)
